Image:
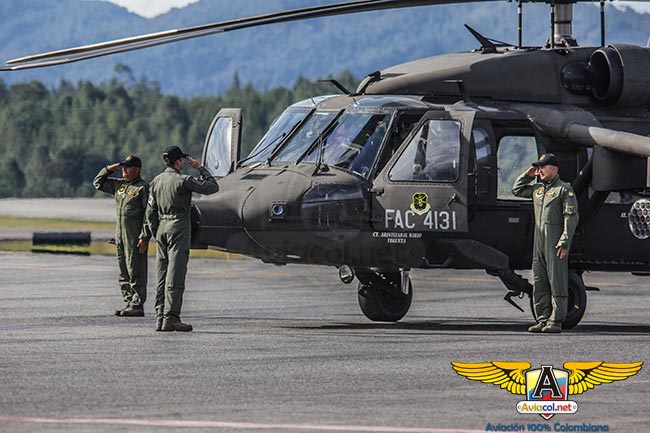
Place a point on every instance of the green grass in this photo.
(99, 248)
(50, 223)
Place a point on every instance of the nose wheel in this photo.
(384, 296)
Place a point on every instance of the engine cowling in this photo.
(621, 75)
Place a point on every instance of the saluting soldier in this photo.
(132, 234)
(168, 213)
(556, 218)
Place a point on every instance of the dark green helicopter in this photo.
(414, 168)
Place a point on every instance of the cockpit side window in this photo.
(354, 142)
(219, 145)
(433, 154)
(305, 137)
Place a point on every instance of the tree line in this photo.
(54, 141)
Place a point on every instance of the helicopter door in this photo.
(423, 187)
(222, 145)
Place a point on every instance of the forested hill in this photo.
(277, 54)
(54, 141)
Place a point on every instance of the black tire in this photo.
(384, 303)
(576, 304)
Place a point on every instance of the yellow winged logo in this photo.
(586, 375)
(510, 375)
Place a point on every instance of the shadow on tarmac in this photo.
(482, 327)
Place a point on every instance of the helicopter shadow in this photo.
(481, 326)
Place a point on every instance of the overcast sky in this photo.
(151, 8)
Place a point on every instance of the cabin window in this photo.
(432, 155)
(483, 148)
(514, 156)
(306, 136)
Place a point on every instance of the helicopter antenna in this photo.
(602, 23)
(488, 45)
(552, 25)
(372, 77)
(336, 84)
(520, 25)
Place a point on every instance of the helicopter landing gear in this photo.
(577, 302)
(384, 296)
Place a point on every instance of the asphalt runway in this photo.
(286, 349)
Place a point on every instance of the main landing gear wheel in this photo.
(381, 298)
(576, 303)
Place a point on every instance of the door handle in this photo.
(378, 190)
(454, 197)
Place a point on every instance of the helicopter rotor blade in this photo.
(144, 41)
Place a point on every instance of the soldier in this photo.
(132, 234)
(168, 213)
(556, 218)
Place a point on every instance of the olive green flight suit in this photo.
(130, 204)
(168, 213)
(556, 217)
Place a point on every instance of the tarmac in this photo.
(286, 349)
(76, 209)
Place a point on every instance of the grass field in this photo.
(101, 248)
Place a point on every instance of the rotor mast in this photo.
(562, 25)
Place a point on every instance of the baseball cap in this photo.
(546, 159)
(131, 161)
(173, 153)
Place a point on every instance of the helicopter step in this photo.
(518, 287)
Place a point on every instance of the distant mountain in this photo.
(277, 54)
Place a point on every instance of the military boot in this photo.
(133, 311)
(536, 328)
(159, 323)
(175, 326)
(552, 328)
(119, 312)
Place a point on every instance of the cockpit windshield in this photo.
(305, 137)
(354, 142)
(281, 128)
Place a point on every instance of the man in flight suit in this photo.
(168, 213)
(132, 234)
(556, 218)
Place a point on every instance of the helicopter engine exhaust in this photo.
(620, 75)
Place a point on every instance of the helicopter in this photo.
(414, 168)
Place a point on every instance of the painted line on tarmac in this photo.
(232, 425)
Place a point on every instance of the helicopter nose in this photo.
(216, 222)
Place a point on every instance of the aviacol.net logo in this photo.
(547, 389)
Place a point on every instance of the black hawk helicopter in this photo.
(414, 168)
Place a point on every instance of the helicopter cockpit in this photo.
(351, 138)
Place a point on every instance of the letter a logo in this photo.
(547, 384)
